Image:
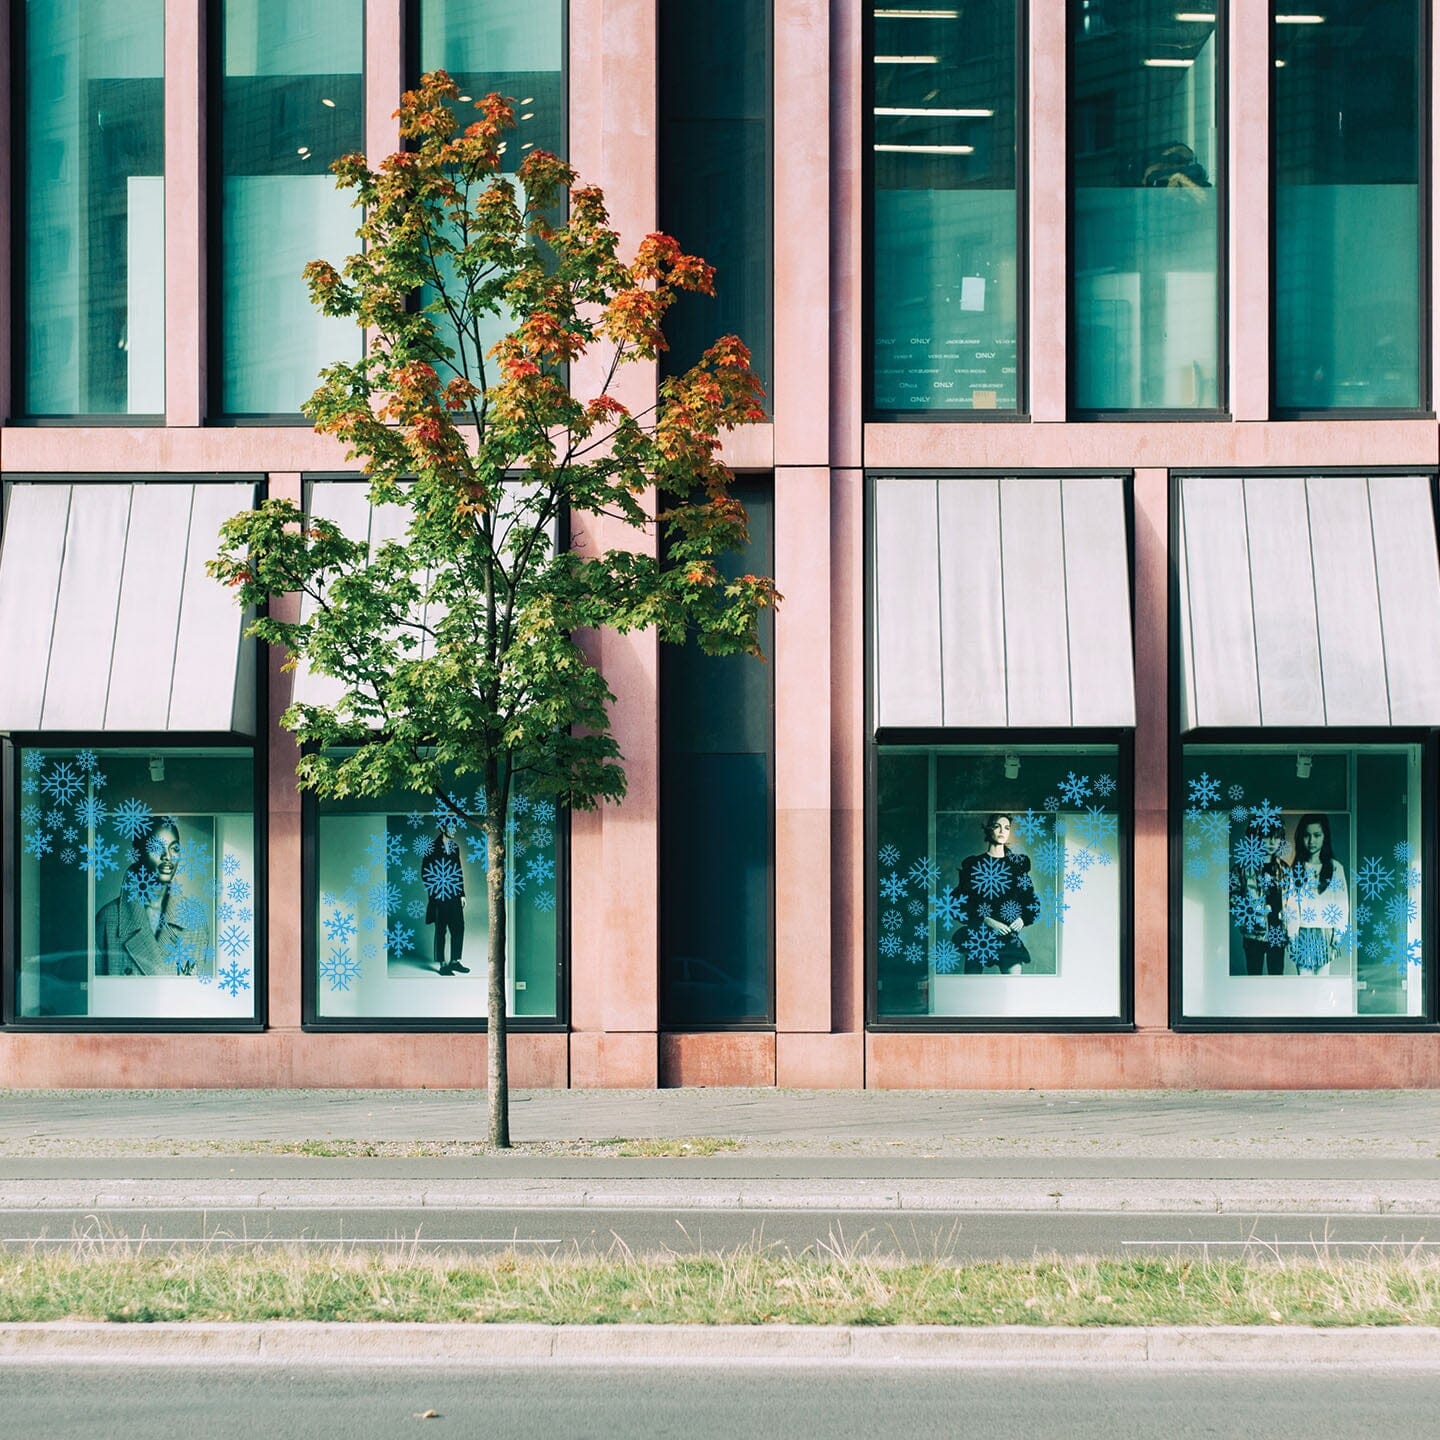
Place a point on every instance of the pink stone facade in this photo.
(819, 448)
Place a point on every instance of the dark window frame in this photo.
(1220, 411)
(1425, 409)
(101, 740)
(760, 1023)
(870, 411)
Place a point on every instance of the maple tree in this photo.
(455, 644)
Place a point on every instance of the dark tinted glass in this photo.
(715, 815)
(1345, 116)
(715, 148)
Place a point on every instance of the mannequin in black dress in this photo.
(1000, 901)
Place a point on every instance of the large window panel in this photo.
(715, 171)
(944, 254)
(1303, 881)
(1345, 106)
(291, 101)
(92, 241)
(136, 884)
(401, 919)
(515, 48)
(716, 808)
(997, 882)
(1145, 180)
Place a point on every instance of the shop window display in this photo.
(136, 884)
(997, 881)
(1302, 881)
(401, 907)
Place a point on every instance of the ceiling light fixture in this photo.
(889, 14)
(326, 101)
(938, 113)
(1161, 63)
(928, 149)
(1299, 19)
(1196, 17)
(907, 59)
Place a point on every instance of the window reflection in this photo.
(94, 207)
(1346, 123)
(291, 102)
(945, 243)
(1144, 165)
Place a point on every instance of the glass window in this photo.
(716, 782)
(1303, 881)
(292, 100)
(1345, 124)
(715, 147)
(1145, 205)
(401, 909)
(136, 884)
(945, 248)
(997, 881)
(515, 48)
(92, 237)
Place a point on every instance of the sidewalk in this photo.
(1320, 1152)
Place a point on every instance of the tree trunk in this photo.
(497, 1071)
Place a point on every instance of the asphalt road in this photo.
(41, 1402)
(915, 1234)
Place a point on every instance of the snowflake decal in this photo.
(1412, 877)
(1239, 814)
(892, 888)
(1250, 852)
(399, 940)
(419, 845)
(1248, 911)
(1361, 914)
(91, 812)
(415, 909)
(1104, 784)
(1309, 950)
(1414, 953)
(542, 812)
(1052, 803)
(889, 856)
(87, 760)
(1332, 915)
(1082, 860)
(234, 978)
(230, 865)
(360, 875)
(948, 909)
(915, 953)
(441, 813)
(1215, 825)
(544, 901)
(924, 872)
(62, 784)
(1306, 882)
(55, 819)
(339, 968)
(37, 843)
(194, 860)
(30, 815)
(1097, 824)
(1010, 912)
(190, 913)
(143, 886)
(98, 857)
(477, 851)
(1197, 867)
(947, 957)
(1236, 792)
(915, 907)
(33, 763)
(339, 926)
(891, 944)
(541, 869)
(991, 877)
(1204, 792)
(1402, 852)
(131, 818)
(1074, 879)
(238, 890)
(233, 940)
(1265, 814)
(982, 945)
(1276, 935)
(1372, 878)
(443, 878)
(891, 920)
(1074, 788)
(1400, 909)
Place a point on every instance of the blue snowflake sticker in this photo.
(234, 978)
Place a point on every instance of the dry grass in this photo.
(839, 1285)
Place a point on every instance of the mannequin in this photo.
(445, 892)
(1317, 917)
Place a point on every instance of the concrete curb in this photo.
(316, 1344)
(1077, 1195)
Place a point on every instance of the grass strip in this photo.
(140, 1282)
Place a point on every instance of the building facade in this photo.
(1096, 746)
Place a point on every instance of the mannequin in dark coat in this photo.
(1000, 902)
(445, 898)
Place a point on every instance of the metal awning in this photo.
(1308, 602)
(108, 621)
(1001, 603)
